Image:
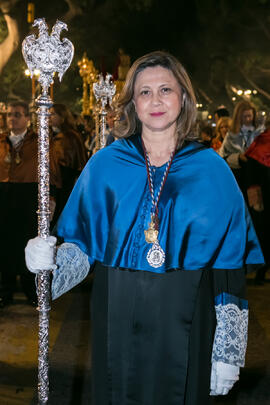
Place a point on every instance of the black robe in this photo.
(157, 331)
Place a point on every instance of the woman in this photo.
(222, 128)
(258, 193)
(243, 131)
(69, 154)
(165, 265)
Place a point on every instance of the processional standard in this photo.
(49, 54)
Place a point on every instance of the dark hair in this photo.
(68, 120)
(20, 104)
(207, 129)
(222, 112)
(129, 123)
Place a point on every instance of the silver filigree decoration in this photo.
(48, 54)
(104, 91)
(156, 255)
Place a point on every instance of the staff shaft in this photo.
(44, 103)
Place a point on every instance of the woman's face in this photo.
(157, 98)
(247, 117)
(223, 129)
(55, 119)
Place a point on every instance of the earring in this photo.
(183, 99)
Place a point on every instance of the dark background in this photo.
(222, 43)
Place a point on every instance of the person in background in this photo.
(18, 200)
(89, 125)
(69, 153)
(222, 128)
(206, 135)
(168, 246)
(80, 124)
(220, 112)
(3, 122)
(258, 193)
(242, 133)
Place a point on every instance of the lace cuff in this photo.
(230, 340)
(73, 267)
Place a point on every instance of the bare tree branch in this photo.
(263, 70)
(263, 27)
(7, 5)
(205, 96)
(253, 84)
(228, 90)
(72, 12)
(11, 42)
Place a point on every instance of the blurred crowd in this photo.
(243, 140)
(239, 139)
(72, 142)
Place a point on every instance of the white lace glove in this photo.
(40, 254)
(223, 377)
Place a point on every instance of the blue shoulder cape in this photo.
(203, 219)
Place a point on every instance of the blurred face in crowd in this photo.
(247, 117)
(17, 121)
(157, 98)
(223, 129)
(205, 137)
(55, 119)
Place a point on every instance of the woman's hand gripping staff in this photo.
(40, 254)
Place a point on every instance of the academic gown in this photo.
(153, 328)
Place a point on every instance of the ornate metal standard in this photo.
(48, 54)
(96, 112)
(89, 74)
(84, 73)
(104, 91)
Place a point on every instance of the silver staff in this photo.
(48, 54)
(104, 91)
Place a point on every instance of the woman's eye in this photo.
(165, 90)
(145, 92)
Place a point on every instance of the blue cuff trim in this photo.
(225, 298)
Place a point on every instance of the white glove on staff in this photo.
(40, 254)
(223, 377)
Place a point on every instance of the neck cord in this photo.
(154, 208)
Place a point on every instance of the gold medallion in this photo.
(151, 234)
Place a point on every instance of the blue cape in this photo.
(203, 218)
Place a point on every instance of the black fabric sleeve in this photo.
(231, 281)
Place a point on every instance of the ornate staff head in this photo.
(47, 53)
(104, 90)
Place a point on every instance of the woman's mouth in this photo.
(156, 114)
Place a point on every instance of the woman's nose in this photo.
(156, 98)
